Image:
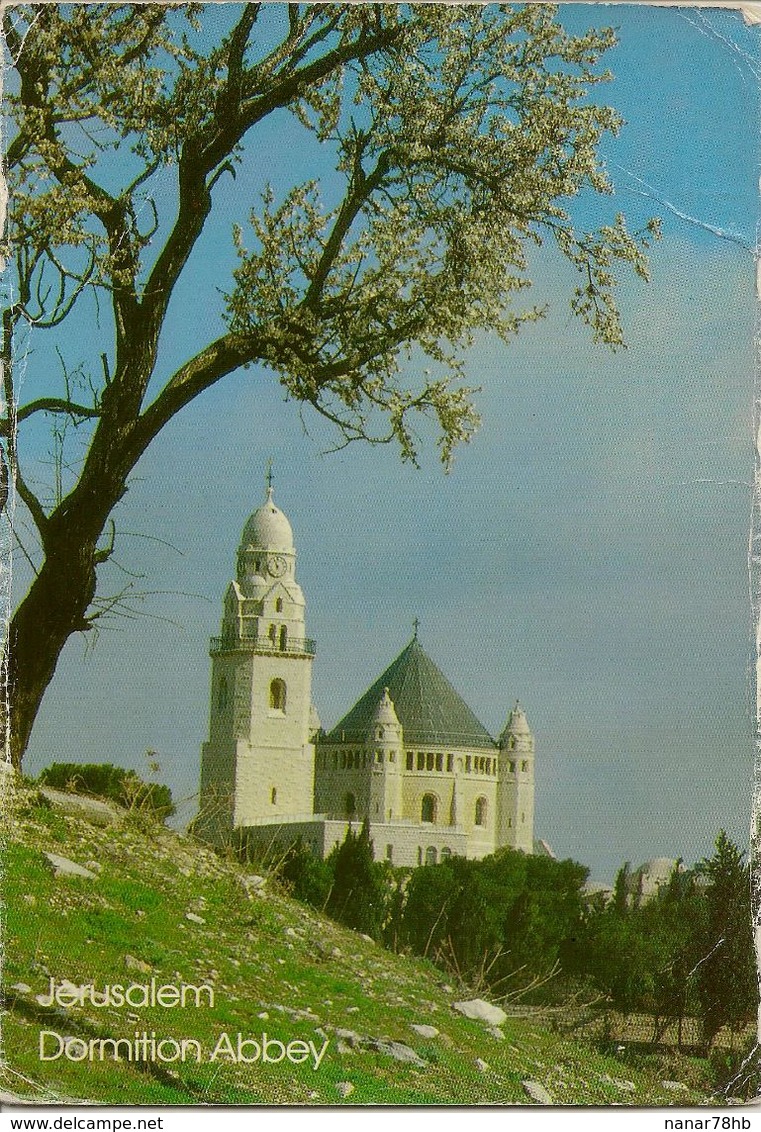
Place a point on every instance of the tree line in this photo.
(523, 927)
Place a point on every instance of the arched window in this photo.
(350, 805)
(428, 808)
(272, 633)
(430, 855)
(277, 695)
(279, 605)
(222, 694)
(481, 806)
(446, 853)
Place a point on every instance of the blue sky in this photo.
(588, 551)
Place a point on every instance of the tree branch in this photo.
(54, 405)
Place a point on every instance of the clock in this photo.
(277, 566)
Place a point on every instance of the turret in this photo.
(516, 782)
(384, 743)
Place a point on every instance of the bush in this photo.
(112, 783)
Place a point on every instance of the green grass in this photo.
(275, 965)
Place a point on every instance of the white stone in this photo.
(482, 1065)
(63, 867)
(194, 919)
(537, 1092)
(21, 988)
(137, 964)
(344, 1088)
(423, 1030)
(481, 1011)
(675, 1086)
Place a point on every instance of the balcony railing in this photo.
(303, 646)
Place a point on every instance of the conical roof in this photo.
(431, 712)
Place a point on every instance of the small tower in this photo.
(384, 745)
(258, 764)
(516, 783)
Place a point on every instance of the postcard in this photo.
(377, 468)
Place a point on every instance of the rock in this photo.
(78, 806)
(137, 964)
(496, 1033)
(349, 1036)
(194, 919)
(537, 1092)
(398, 1051)
(366, 938)
(481, 1011)
(674, 1086)
(424, 1031)
(264, 1016)
(30, 899)
(21, 988)
(291, 933)
(63, 867)
(352, 1010)
(482, 1065)
(342, 1048)
(344, 1088)
(623, 1086)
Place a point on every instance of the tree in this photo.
(726, 973)
(456, 138)
(357, 898)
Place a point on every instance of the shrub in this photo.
(112, 783)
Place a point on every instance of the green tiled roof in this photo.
(431, 712)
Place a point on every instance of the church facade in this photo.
(410, 756)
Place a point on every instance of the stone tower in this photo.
(257, 766)
(516, 783)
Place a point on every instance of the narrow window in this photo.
(283, 638)
(272, 633)
(429, 761)
(430, 855)
(428, 809)
(273, 796)
(446, 853)
(410, 760)
(524, 765)
(350, 805)
(222, 694)
(467, 764)
(420, 760)
(450, 764)
(419, 855)
(439, 762)
(389, 853)
(279, 605)
(512, 768)
(481, 811)
(277, 695)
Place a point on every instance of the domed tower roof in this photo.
(268, 529)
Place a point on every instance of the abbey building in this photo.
(410, 755)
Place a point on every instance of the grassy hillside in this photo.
(161, 906)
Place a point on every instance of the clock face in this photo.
(277, 566)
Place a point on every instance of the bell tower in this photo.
(257, 766)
